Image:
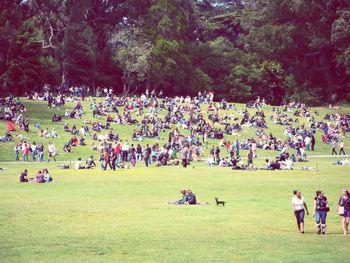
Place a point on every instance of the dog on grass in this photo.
(218, 202)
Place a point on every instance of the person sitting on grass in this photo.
(288, 164)
(23, 178)
(183, 199)
(78, 164)
(73, 141)
(191, 198)
(82, 141)
(90, 163)
(47, 175)
(40, 177)
(66, 128)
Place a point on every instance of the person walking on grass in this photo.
(334, 146)
(52, 151)
(299, 207)
(341, 145)
(344, 210)
(320, 210)
(146, 155)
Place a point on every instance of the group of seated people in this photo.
(89, 164)
(44, 133)
(56, 118)
(187, 198)
(41, 177)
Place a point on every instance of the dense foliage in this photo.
(277, 49)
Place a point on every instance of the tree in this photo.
(79, 40)
(133, 54)
(24, 66)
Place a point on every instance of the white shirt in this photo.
(51, 148)
(78, 164)
(125, 147)
(288, 163)
(298, 203)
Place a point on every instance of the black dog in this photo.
(219, 202)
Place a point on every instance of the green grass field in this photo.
(124, 216)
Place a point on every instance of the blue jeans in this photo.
(41, 156)
(321, 217)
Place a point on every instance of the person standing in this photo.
(184, 156)
(320, 210)
(250, 157)
(254, 147)
(146, 154)
(125, 151)
(313, 142)
(344, 210)
(17, 150)
(299, 207)
(341, 145)
(52, 151)
(217, 155)
(25, 149)
(138, 153)
(40, 150)
(107, 160)
(334, 145)
(307, 142)
(34, 151)
(238, 146)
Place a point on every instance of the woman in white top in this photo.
(299, 207)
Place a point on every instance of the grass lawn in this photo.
(124, 216)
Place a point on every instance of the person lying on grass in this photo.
(346, 161)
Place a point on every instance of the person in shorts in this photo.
(51, 151)
(299, 207)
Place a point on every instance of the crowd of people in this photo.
(188, 131)
(152, 115)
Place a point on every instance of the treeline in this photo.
(276, 49)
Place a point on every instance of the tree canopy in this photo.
(239, 49)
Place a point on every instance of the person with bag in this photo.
(320, 210)
(344, 210)
(299, 207)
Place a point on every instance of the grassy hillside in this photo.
(38, 111)
(124, 216)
